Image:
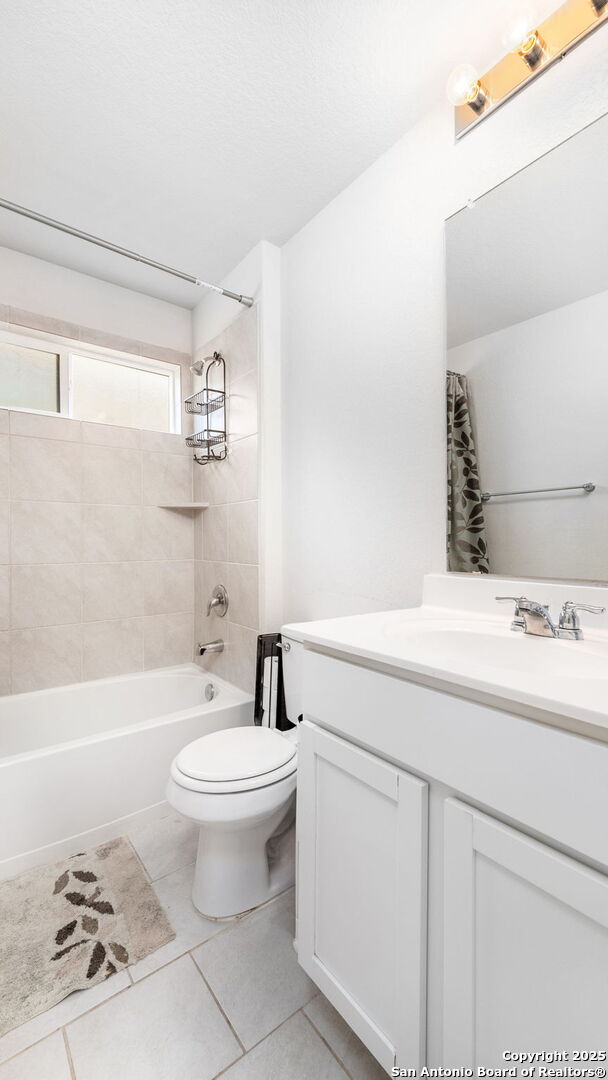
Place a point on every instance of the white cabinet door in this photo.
(526, 945)
(362, 847)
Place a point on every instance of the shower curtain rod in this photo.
(62, 227)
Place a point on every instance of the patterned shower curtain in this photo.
(467, 550)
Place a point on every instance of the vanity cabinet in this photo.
(362, 847)
(525, 944)
(511, 950)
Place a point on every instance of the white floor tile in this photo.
(45, 1061)
(294, 1051)
(165, 845)
(167, 1026)
(63, 1013)
(174, 893)
(254, 973)
(345, 1044)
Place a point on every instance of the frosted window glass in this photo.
(29, 378)
(110, 393)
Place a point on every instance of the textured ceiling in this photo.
(190, 129)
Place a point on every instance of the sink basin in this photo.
(455, 647)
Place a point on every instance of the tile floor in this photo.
(223, 999)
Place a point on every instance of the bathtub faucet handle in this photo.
(219, 601)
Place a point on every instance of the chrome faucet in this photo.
(218, 602)
(534, 618)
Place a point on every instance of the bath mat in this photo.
(72, 924)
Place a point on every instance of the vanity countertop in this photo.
(470, 653)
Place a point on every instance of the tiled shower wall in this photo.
(229, 528)
(95, 579)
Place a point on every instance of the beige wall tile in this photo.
(197, 521)
(4, 466)
(238, 345)
(112, 591)
(46, 532)
(242, 655)
(243, 345)
(167, 534)
(46, 323)
(43, 658)
(215, 533)
(5, 663)
(5, 532)
(167, 478)
(199, 484)
(168, 587)
(4, 312)
(162, 352)
(243, 592)
(111, 475)
(161, 441)
(112, 648)
(243, 407)
(111, 533)
(110, 435)
(168, 639)
(44, 469)
(243, 532)
(36, 426)
(5, 592)
(45, 595)
(106, 340)
(4, 425)
(232, 480)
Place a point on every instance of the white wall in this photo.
(363, 308)
(539, 391)
(34, 285)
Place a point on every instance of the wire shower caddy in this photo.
(210, 440)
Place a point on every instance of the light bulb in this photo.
(522, 37)
(464, 88)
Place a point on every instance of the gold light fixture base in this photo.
(550, 41)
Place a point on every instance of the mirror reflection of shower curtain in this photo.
(467, 550)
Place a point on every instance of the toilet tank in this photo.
(293, 653)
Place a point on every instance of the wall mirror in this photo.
(527, 370)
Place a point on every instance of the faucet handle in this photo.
(569, 622)
(568, 617)
(595, 609)
(518, 622)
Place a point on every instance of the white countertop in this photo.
(474, 654)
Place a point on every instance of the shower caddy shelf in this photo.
(212, 441)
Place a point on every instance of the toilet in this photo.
(239, 786)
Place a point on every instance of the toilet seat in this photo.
(235, 759)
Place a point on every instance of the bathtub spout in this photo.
(210, 646)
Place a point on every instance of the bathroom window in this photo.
(87, 383)
(29, 378)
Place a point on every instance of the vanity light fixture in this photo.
(533, 46)
(465, 88)
(523, 39)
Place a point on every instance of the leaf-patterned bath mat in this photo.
(72, 924)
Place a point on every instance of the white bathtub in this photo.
(80, 763)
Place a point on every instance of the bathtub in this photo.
(79, 764)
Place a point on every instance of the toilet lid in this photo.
(235, 754)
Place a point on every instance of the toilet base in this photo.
(237, 870)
